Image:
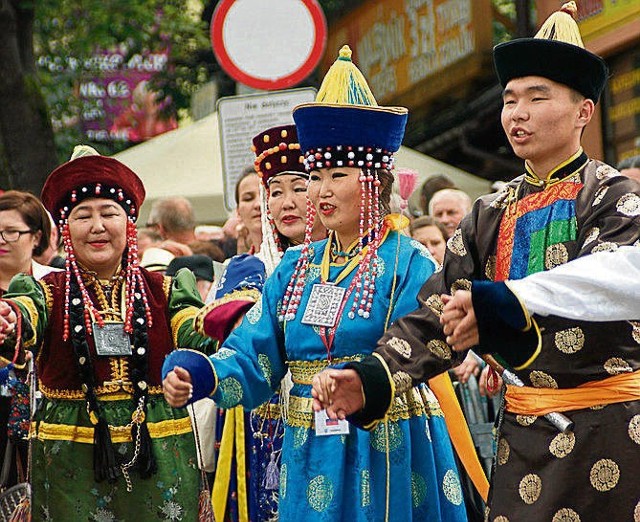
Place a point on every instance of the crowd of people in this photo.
(317, 328)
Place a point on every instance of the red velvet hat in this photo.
(278, 151)
(92, 177)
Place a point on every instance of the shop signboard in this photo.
(623, 110)
(413, 50)
(117, 102)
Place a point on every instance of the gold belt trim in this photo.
(413, 403)
(302, 372)
(110, 392)
(540, 401)
(46, 431)
(268, 411)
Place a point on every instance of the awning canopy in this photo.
(187, 162)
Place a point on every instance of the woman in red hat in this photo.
(247, 474)
(106, 446)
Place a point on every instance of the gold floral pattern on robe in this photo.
(555, 255)
(604, 475)
(530, 488)
(456, 245)
(562, 444)
(570, 340)
(320, 492)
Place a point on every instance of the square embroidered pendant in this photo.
(324, 305)
(112, 340)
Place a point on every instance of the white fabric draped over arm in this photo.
(599, 287)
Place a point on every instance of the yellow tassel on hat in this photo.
(344, 84)
(562, 26)
(83, 150)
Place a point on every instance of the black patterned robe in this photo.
(590, 473)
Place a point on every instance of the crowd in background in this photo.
(171, 240)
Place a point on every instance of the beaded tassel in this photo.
(295, 287)
(134, 279)
(364, 279)
(375, 244)
(357, 280)
(72, 266)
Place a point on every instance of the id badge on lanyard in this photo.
(327, 426)
(323, 308)
(324, 305)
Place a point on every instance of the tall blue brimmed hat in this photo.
(555, 52)
(345, 126)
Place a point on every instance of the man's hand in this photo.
(8, 321)
(177, 387)
(459, 321)
(339, 392)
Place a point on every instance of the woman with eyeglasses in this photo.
(25, 229)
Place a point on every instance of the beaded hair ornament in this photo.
(277, 152)
(133, 278)
(345, 127)
(89, 175)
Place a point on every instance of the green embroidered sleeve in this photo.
(28, 297)
(184, 304)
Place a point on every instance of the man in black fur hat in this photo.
(563, 207)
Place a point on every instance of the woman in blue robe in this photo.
(326, 304)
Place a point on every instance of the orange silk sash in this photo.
(540, 401)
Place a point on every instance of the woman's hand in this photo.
(177, 387)
(470, 366)
(8, 321)
(339, 392)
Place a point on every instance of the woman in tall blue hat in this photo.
(326, 304)
(105, 444)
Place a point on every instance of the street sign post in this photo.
(241, 118)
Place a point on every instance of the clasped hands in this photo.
(340, 392)
(8, 321)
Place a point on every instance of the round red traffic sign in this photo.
(268, 45)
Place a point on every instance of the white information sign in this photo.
(241, 118)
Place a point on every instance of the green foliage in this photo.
(67, 33)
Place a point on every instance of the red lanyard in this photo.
(327, 340)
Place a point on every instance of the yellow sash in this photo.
(233, 432)
(540, 401)
(459, 432)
